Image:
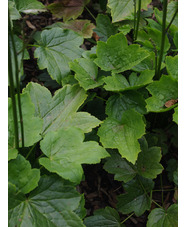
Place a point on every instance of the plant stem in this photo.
(171, 20)
(162, 38)
(17, 84)
(161, 181)
(157, 204)
(12, 90)
(30, 151)
(127, 218)
(90, 13)
(138, 19)
(134, 20)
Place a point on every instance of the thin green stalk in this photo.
(12, 94)
(17, 84)
(127, 218)
(138, 19)
(30, 151)
(157, 204)
(162, 38)
(90, 13)
(134, 20)
(171, 20)
(161, 182)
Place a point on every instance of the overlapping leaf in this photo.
(136, 198)
(82, 27)
(22, 175)
(123, 134)
(119, 103)
(66, 151)
(172, 66)
(163, 218)
(86, 73)
(104, 217)
(104, 28)
(162, 91)
(60, 110)
(29, 6)
(32, 125)
(57, 47)
(12, 153)
(118, 82)
(68, 9)
(117, 56)
(147, 164)
(175, 115)
(123, 9)
(50, 205)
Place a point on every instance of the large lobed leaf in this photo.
(29, 6)
(66, 151)
(57, 47)
(117, 56)
(123, 134)
(60, 110)
(51, 204)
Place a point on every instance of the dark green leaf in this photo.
(175, 115)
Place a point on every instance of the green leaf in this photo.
(32, 125)
(151, 38)
(104, 218)
(148, 161)
(19, 51)
(86, 73)
(66, 151)
(104, 28)
(29, 6)
(119, 103)
(135, 199)
(175, 115)
(118, 82)
(163, 218)
(123, 170)
(162, 91)
(14, 13)
(82, 27)
(50, 205)
(117, 56)
(172, 66)
(22, 176)
(12, 153)
(57, 48)
(123, 9)
(124, 134)
(147, 164)
(60, 110)
(68, 9)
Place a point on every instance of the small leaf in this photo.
(123, 9)
(162, 91)
(60, 110)
(124, 134)
(29, 6)
(172, 66)
(163, 218)
(148, 161)
(82, 27)
(51, 204)
(32, 125)
(135, 199)
(68, 9)
(22, 176)
(175, 115)
(117, 56)
(104, 28)
(118, 82)
(104, 217)
(14, 13)
(123, 170)
(86, 73)
(117, 104)
(66, 151)
(57, 48)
